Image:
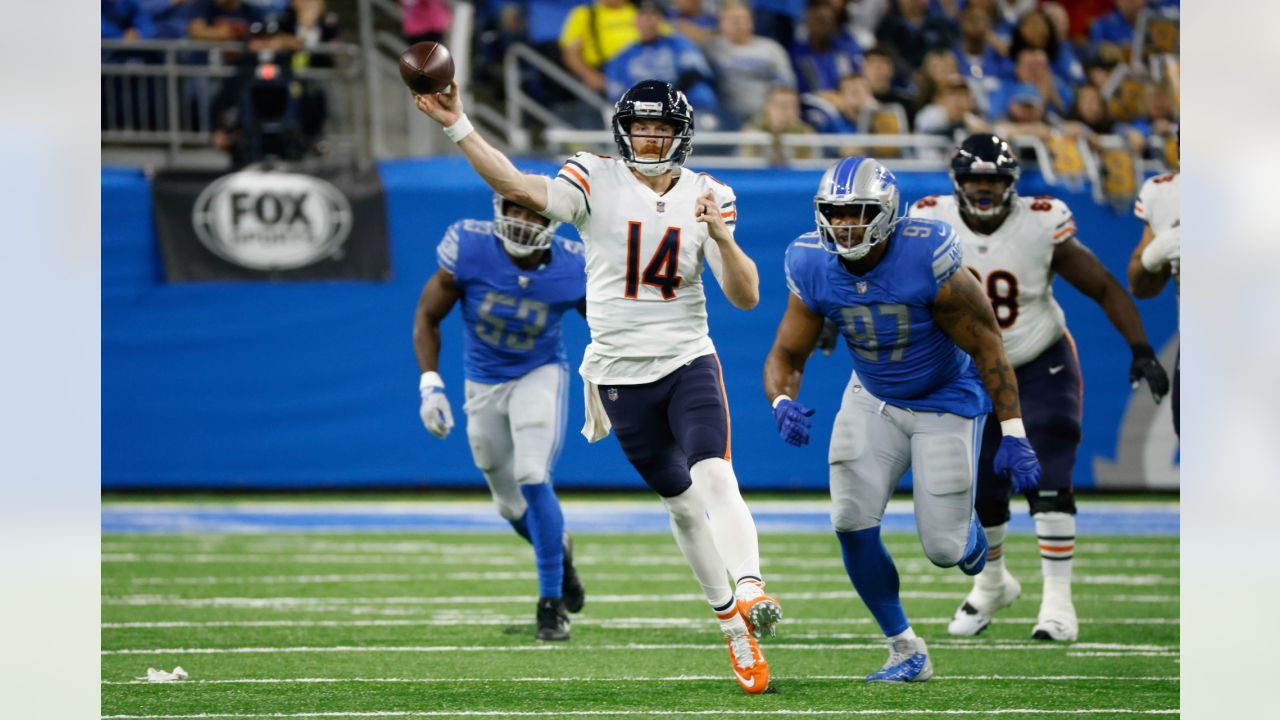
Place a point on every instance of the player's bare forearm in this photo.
(964, 313)
(796, 337)
(1080, 267)
(741, 278)
(1142, 282)
(501, 175)
(437, 299)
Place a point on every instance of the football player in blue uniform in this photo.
(928, 366)
(515, 279)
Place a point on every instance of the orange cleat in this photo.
(749, 667)
(760, 611)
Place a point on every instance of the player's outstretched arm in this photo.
(784, 366)
(437, 299)
(1145, 283)
(488, 162)
(964, 313)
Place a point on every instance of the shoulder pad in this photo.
(571, 246)
(1053, 215)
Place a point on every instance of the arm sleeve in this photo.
(447, 250)
(575, 26)
(782, 66)
(1063, 223)
(729, 211)
(948, 255)
(796, 278)
(569, 193)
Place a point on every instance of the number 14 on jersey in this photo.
(662, 270)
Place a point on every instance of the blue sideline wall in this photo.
(314, 385)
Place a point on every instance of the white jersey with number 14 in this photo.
(1014, 264)
(645, 254)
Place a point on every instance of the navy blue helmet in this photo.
(988, 155)
(654, 100)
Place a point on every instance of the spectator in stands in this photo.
(840, 112)
(981, 60)
(746, 64)
(691, 20)
(778, 20)
(910, 31)
(1031, 67)
(125, 20)
(1116, 27)
(221, 20)
(1035, 30)
(263, 111)
(593, 35)
(781, 116)
(952, 111)
(936, 71)
(878, 69)
(1090, 118)
(1080, 17)
(169, 17)
(313, 25)
(827, 53)
(1024, 114)
(861, 18)
(1159, 114)
(670, 58)
(425, 20)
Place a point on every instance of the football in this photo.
(426, 67)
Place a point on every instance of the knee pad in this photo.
(944, 551)
(1042, 501)
(848, 517)
(685, 508)
(714, 476)
(510, 508)
(992, 512)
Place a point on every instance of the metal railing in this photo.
(160, 93)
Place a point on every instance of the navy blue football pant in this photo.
(668, 425)
(1051, 394)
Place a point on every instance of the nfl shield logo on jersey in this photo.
(612, 393)
(862, 287)
(662, 206)
(522, 281)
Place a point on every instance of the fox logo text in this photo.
(272, 220)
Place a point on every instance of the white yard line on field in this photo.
(644, 712)
(950, 645)
(622, 622)
(634, 678)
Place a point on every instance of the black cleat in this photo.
(571, 588)
(553, 621)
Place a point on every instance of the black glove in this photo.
(1145, 366)
(828, 338)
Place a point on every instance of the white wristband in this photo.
(459, 129)
(429, 380)
(1013, 427)
(779, 399)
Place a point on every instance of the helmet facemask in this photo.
(872, 218)
(520, 238)
(975, 207)
(682, 134)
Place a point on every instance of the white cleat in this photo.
(974, 614)
(1057, 622)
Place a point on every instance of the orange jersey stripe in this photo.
(1065, 231)
(585, 185)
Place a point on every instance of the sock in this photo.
(693, 535)
(1056, 532)
(875, 577)
(546, 530)
(732, 526)
(992, 576)
(907, 634)
(521, 525)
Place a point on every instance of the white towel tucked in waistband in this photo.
(597, 426)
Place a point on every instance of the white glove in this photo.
(1164, 249)
(436, 414)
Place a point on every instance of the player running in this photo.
(651, 372)
(1014, 246)
(1159, 255)
(924, 344)
(516, 280)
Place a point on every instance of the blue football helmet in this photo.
(520, 238)
(869, 187)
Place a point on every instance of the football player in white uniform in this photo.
(650, 226)
(1015, 245)
(1159, 255)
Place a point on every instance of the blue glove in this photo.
(1017, 461)
(793, 421)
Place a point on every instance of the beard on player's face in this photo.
(985, 194)
(651, 140)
